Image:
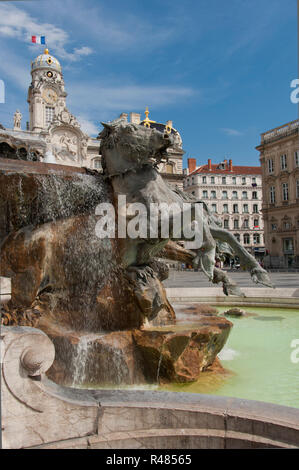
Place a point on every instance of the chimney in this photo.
(135, 118)
(209, 164)
(191, 165)
(225, 164)
(230, 165)
(124, 116)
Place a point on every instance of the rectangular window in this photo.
(224, 194)
(255, 208)
(235, 195)
(234, 180)
(235, 209)
(283, 162)
(223, 179)
(97, 163)
(270, 166)
(236, 223)
(245, 208)
(297, 158)
(244, 195)
(246, 223)
(213, 194)
(205, 194)
(288, 246)
(297, 189)
(226, 224)
(254, 195)
(49, 114)
(243, 180)
(274, 227)
(225, 208)
(285, 191)
(204, 179)
(272, 194)
(214, 208)
(246, 238)
(256, 239)
(212, 179)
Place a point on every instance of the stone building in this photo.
(54, 135)
(235, 194)
(279, 156)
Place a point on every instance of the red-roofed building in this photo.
(234, 192)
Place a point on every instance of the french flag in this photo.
(38, 39)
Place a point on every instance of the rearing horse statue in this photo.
(131, 154)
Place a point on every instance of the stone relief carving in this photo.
(67, 118)
(65, 144)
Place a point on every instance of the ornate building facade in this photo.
(234, 193)
(279, 156)
(54, 135)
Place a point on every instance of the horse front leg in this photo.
(258, 274)
(229, 287)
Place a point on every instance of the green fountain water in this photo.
(257, 356)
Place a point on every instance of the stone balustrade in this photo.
(279, 132)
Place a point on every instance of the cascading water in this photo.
(79, 361)
(159, 363)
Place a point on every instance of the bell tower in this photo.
(46, 94)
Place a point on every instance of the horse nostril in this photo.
(166, 136)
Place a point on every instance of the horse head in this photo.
(126, 146)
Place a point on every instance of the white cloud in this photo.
(88, 126)
(17, 23)
(83, 51)
(105, 98)
(231, 132)
(13, 67)
(111, 28)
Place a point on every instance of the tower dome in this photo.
(46, 61)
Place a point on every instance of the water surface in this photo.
(257, 356)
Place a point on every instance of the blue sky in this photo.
(221, 70)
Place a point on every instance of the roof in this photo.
(237, 170)
(46, 61)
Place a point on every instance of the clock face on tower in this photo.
(50, 96)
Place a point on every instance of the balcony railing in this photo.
(282, 131)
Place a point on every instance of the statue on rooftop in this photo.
(17, 120)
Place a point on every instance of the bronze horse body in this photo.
(131, 154)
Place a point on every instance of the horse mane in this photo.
(113, 136)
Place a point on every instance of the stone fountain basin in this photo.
(139, 356)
